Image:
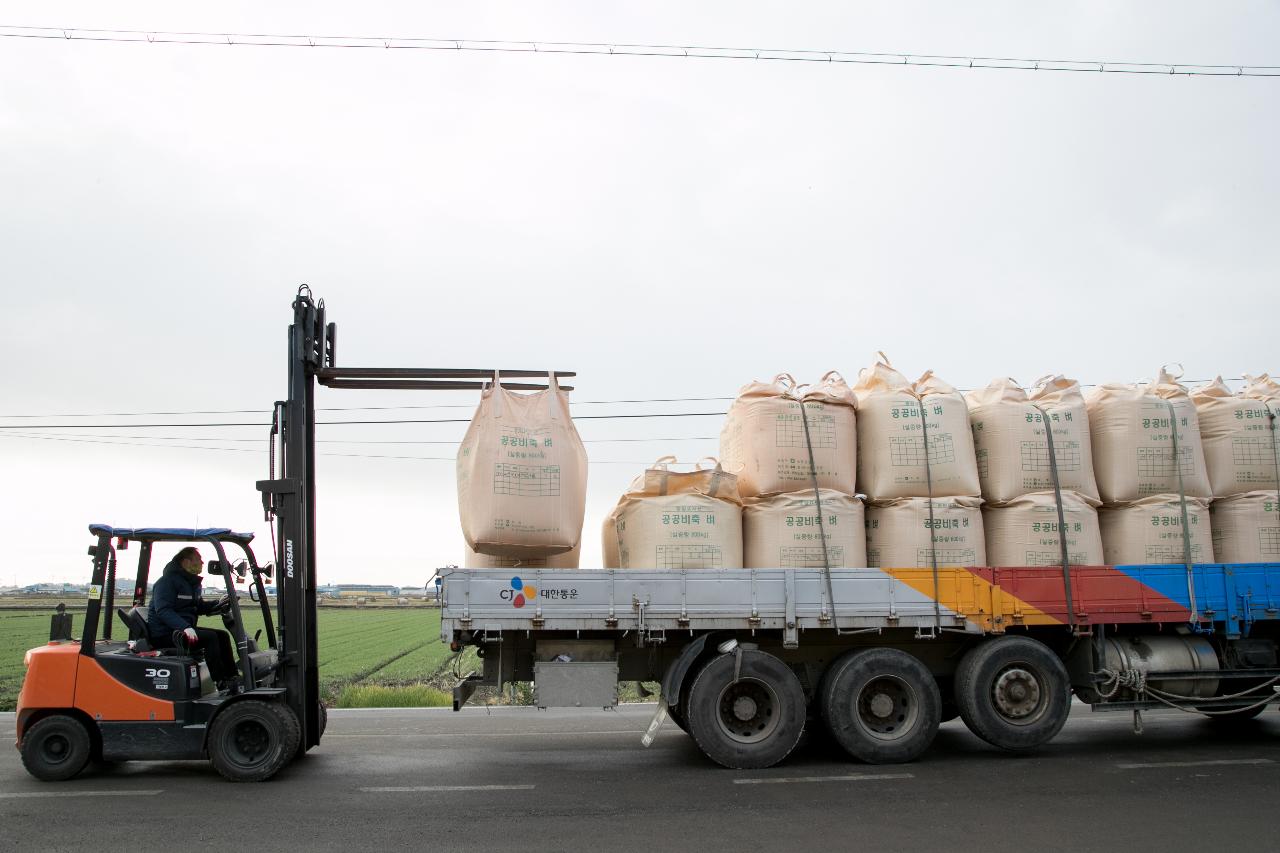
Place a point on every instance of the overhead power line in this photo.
(18, 437)
(28, 427)
(260, 440)
(756, 54)
(354, 408)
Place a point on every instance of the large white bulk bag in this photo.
(1149, 532)
(1132, 436)
(1012, 448)
(567, 560)
(782, 531)
(680, 520)
(1026, 531)
(898, 533)
(1246, 528)
(891, 446)
(609, 541)
(1241, 452)
(763, 439)
(522, 474)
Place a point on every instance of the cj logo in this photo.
(519, 594)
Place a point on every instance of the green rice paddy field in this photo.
(368, 656)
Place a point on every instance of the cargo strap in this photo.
(1062, 520)
(933, 533)
(1186, 524)
(817, 503)
(1275, 451)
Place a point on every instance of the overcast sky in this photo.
(666, 227)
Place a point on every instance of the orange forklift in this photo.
(108, 699)
(118, 700)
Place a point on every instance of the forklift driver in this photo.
(176, 605)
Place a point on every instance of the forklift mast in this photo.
(289, 499)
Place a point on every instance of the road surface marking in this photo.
(30, 795)
(1220, 762)
(488, 734)
(855, 777)
(413, 789)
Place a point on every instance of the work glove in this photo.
(190, 637)
(224, 605)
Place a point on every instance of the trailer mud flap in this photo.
(659, 717)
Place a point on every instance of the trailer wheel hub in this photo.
(1017, 693)
(747, 710)
(881, 705)
(887, 707)
(744, 708)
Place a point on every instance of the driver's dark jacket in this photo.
(175, 603)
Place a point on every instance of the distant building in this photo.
(342, 590)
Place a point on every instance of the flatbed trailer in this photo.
(748, 657)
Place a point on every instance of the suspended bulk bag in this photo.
(1011, 446)
(567, 560)
(1149, 532)
(1026, 531)
(782, 531)
(522, 474)
(898, 533)
(1240, 448)
(891, 445)
(1133, 441)
(763, 439)
(1246, 528)
(680, 520)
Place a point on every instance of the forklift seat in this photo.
(135, 619)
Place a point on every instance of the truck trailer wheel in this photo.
(746, 710)
(252, 740)
(881, 705)
(56, 748)
(1013, 692)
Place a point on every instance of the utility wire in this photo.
(26, 427)
(399, 408)
(230, 440)
(832, 57)
(354, 408)
(19, 437)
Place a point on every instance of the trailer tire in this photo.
(56, 748)
(677, 716)
(749, 722)
(882, 705)
(251, 740)
(1013, 692)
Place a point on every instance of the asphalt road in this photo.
(522, 779)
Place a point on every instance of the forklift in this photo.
(108, 699)
(100, 698)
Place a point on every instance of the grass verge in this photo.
(380, 696)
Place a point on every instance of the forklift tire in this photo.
(251, 740)
(56, 748)
(1013, 692)
(746, 714)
